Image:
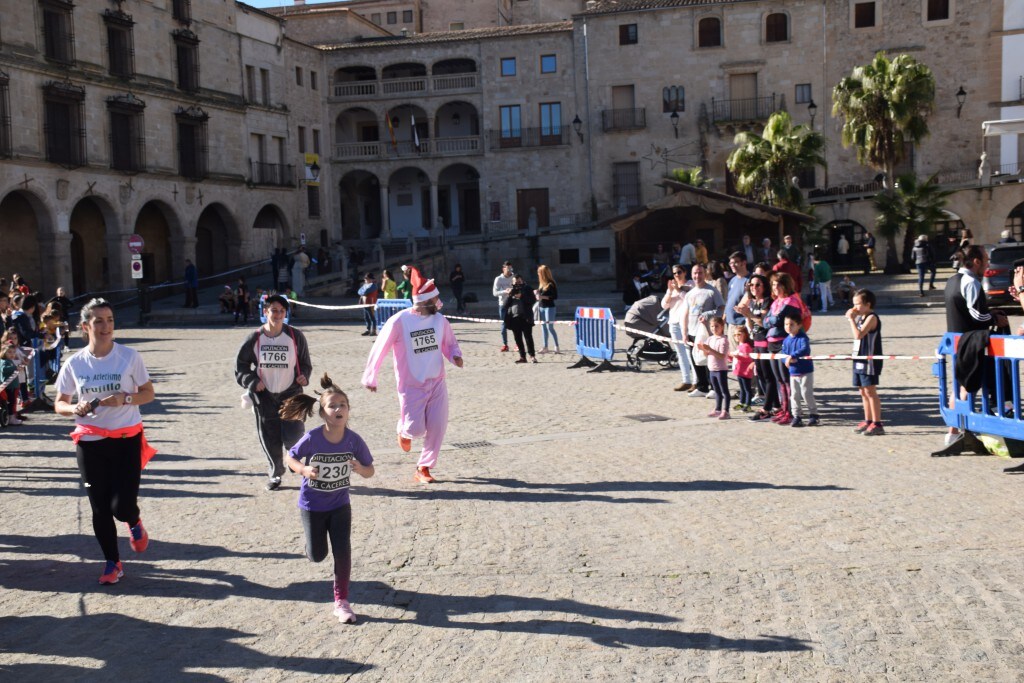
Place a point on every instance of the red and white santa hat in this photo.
(422, 289)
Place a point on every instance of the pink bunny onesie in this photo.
(420, 344)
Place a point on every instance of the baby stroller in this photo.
(5, 416)
(647, 315)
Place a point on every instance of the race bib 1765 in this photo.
(424, 340)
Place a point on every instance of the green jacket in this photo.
(822, 272)
(8, 368)
(405, 289)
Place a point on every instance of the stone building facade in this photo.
(133, 118)
(503, 129)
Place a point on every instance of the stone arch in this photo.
(456, 119)
(218, 241)
(357, 133)
(453, 65)
(409, 207)
(458, 199)
(270, 230)
(1015, 222)
(945, 235)
(26, 228)
(98, 256)
(160, 229)
(359, 194)
(825, 239)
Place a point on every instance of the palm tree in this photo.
(689, 176)
(911, 206)
(765, 165)
(884, 105)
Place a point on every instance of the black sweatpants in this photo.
(522, 335)
(276, 435)
(111, 470)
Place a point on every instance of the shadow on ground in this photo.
(437, 611)
(126, 648)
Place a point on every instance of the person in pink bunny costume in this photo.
(420, 339)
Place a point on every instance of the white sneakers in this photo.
(344, 612)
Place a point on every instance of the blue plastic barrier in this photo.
(388, 307)
(975, 413)
(595, 332)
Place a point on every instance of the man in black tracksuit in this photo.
(273, 364)
(967, 307)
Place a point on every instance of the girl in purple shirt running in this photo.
(326, 457)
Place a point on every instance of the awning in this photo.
(685, 196)
(1005, 127)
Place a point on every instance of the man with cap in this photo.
(420, 339)
(925, 261)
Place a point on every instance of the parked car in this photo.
(999, 274)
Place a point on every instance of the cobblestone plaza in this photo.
(563, 541)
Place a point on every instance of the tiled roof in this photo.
(452, 36)
(613, 6)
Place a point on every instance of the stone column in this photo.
(385, 214)
(435, 210)
(57, 251)
(118, 272)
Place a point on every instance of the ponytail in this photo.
(300, 406)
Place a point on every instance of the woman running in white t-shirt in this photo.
(111, 382)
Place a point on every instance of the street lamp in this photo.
(675, 122)
(812, 109)
(314, 171)
(577, 126)
(961, 97)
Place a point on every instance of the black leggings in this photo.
(337, 525)
(111, 470)
(720, 383)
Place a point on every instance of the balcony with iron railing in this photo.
(398, 87)
(747, 109)
(520, 138)
(277, 175)
(961, 178)
(623, 119)
(428, 147)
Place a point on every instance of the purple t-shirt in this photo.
(329, 491)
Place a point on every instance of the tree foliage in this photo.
(689, 176)
(764, 166)
(884, 105)
(911, 206)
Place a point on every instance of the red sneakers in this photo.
(138, 538)
(423, 475)
(112, 573)
(404, 443)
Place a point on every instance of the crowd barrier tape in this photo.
(388, 307)
(595, 333)
(576, 323)
(976, 413)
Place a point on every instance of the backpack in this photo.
(805, 315)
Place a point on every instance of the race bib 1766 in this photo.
(333, 471)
